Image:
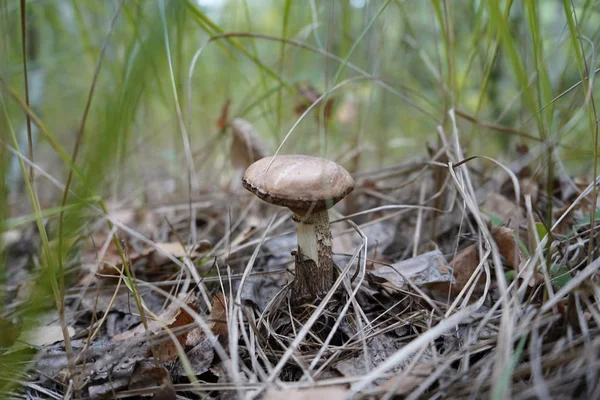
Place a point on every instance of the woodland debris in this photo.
(406, 382)
(464, 265)
(156, 255)
(380, 347)
(424, 270)
(152, 379)
(247, 146)
(218, 315)
(199, 352)
(504, 209)
(329, 393)
(46, 335)
(509, 248)
(311, 96)
(175, 319)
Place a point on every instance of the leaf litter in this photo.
(431, 296)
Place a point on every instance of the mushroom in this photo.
(308, 186)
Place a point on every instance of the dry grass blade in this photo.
(412, 347)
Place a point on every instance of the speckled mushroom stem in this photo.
(314, 264)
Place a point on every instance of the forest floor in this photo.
(448, 285)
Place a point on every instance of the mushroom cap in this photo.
(301, 183)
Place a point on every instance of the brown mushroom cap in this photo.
(299, 182)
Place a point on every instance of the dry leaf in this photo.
(107, 390)
(463, 265)
(530, 187)
(111, 262)
(259, 289)
(179, 251)
(126, 216)
(422, 270)
(219, 315)
(175, 249)
(222, 122)
(507, 245)
(404, 383)
(146, 375)
(310, 95)
(380, 348)
(505, 209)
(247, 146)
(329, 393)
(166, 350)
(342, 242)
(46, 335)
(566, 224)
(586, 205)
(200, 356)
(173, 317)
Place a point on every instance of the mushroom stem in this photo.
(314, 265)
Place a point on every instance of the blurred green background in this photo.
(400, 66)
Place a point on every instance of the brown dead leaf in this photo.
(508, 247)
(111, 263)
(530, 187)
(464, 265)
(311, 96)
(156, 258)
(219, 315)
(146, 376)
(586, 205)
(403, 384)
(329, 393)
(179, 251)
(175, 249)
(247, 146)
(566, 224)
(173, 317)
(166, 350)
(505, 209)
(224, 117)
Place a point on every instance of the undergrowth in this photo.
(128, 103)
